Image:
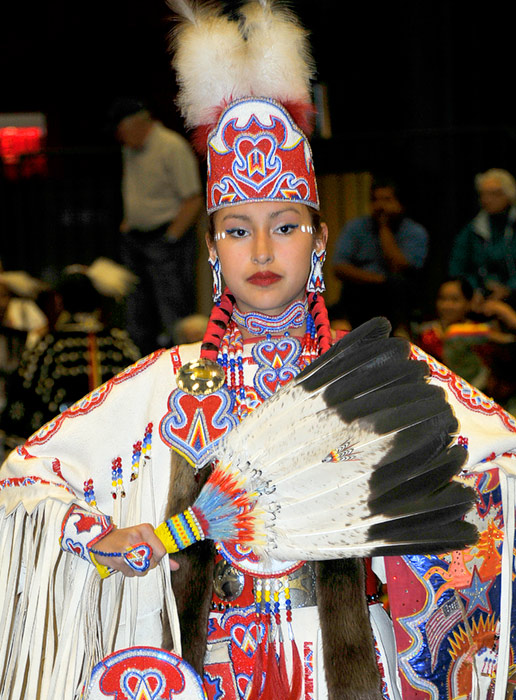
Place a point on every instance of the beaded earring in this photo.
(217, 280)
(315, 279)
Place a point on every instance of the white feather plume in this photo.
(218, 59)
(209, 58)
(279, 63)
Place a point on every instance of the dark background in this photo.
(423, 91)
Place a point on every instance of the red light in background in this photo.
(21, 149)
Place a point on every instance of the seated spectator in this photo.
(454, 336)
(377, 258)
(500, 356)
(16, 321)
(75, 358)
(485, 249)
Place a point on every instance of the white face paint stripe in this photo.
(220, 235)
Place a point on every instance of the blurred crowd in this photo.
(471, 328)
(60, 342)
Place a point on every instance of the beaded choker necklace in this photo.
(297, 355)
(257, 323)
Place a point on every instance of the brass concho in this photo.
(228, 583)
(200, 378)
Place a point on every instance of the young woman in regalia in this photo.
(85, 576)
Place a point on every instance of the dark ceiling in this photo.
(400, 66)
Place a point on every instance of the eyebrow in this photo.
(273, 215)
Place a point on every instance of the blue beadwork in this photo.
(106, 554)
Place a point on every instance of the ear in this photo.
(210, 244)
(321, 238)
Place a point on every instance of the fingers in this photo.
(134, 551)
(174, 566)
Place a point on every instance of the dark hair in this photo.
(121, 108)
(79, 294)
(384, 181)
(464, 284)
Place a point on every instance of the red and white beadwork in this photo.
(144, 673)
(258, 153)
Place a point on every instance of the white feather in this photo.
(209, 57)
(279, 63)
(218, 60)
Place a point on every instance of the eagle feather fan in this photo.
(352, 458)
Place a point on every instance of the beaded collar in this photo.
(278, 359)
(257, 323)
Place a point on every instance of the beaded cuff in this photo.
(81, 530)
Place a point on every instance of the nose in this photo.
(262, 252)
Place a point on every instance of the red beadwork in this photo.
(221, 315)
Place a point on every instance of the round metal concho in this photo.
(228, 583)
(200, 378)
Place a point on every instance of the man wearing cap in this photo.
(161, 192)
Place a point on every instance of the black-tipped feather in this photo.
(368, 375)
(444, 539)
(352, 345)
(426, 516)
(406, 490)
(354, 456)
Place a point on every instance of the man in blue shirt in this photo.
(377, 259)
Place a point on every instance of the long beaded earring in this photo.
(316, 280)
(217, 280)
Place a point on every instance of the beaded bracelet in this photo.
(138, 558)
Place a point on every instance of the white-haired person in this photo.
(85, 577)
(485, 250)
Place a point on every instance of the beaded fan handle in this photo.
(223, 512)
(180, 531)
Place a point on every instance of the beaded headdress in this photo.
(244, 89)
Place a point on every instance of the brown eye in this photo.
(237, 232)
(286, 228)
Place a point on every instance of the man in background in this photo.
(377, 258)
(161, 192)
(485, 250)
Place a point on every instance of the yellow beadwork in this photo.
(104, 572)
(163, 533)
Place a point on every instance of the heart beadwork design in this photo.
(246, 636)
(143, 684)
(277, 360)
(139, 557)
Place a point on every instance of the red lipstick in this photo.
(263, 279)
